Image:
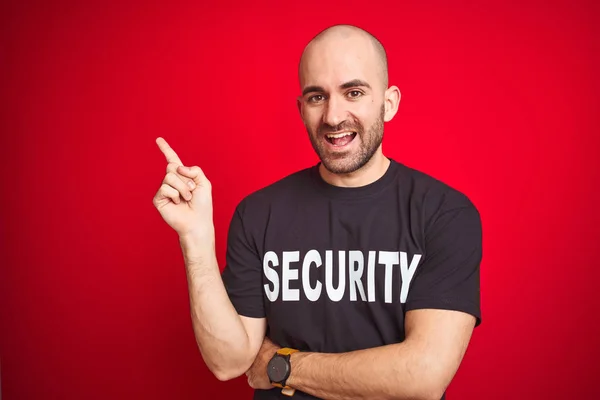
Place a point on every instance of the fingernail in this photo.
(191, 184)
(188, 196)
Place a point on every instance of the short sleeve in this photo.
(449, 276)
(242, 275)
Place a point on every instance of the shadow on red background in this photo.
(499, 101)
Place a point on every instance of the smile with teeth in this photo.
(340, 139)
(339, 135)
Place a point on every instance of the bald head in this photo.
(367, 47)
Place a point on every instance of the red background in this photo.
(498, 100)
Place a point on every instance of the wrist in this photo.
(296, 362)
(198, 250)
(283, 364)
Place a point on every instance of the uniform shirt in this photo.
(335, 269)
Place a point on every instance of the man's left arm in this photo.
(421, 367)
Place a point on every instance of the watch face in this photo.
(277, 369)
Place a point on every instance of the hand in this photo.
(257, 374)
(184, 199)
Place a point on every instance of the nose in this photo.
(334, 113)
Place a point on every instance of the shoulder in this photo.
(434, 196)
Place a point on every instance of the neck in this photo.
(369, 173)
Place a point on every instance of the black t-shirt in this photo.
(335, 269)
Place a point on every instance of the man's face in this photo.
(342, 104)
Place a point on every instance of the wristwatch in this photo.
(279, 369)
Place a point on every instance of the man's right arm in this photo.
(227, 341)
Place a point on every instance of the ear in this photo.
(392, 100)
(299, 105)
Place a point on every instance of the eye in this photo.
(316, 98)
(354, 94)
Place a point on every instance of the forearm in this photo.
(220, 334)
(399, 371)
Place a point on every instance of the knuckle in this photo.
(172, 167)
(171, 178)
(167, 191)
(198, 171)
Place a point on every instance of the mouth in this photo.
(340, 139)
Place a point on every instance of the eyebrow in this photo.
(347, 85)
(355, 83)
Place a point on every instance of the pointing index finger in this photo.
(168, 151)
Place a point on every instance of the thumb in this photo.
(195, 173)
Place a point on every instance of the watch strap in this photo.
(285, 390)
(286, 351)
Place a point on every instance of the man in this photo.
(354, 278)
